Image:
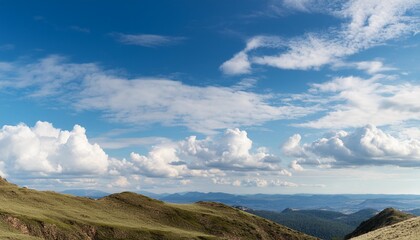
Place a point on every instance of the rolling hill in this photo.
(386, 217)
(31, 214)
(405, 230)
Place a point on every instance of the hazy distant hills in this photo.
(346, 203)
(387, 217)
(29, 214)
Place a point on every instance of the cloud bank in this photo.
(69, 158)
(364, 146)
(212, 156)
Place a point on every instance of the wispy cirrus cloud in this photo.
(7, 47)
(80, 29)
(148, 40)
(366, 24)
(354, 102)
(145, 101)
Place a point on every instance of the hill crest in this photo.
(386, 217)
(30, 214)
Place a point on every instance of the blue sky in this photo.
(272, 96)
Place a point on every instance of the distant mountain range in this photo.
(344, 203)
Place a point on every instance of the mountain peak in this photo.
(386, 217)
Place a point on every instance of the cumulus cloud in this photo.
(69, 159)
(364, 146)
(366, 24)
(295, 166)
(45, 150)
(120, 182)
(147, 40)
(145, 101)
(208, 157)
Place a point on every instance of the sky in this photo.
(255, 96)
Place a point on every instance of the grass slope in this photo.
(387, 217)
(30, 214)
(405, 230)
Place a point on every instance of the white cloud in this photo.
(144, 101)
(45, 150)
(300, 5)
(50, 76)
(254, 182)
(162, 161)
(185, 181)
(239, 64)
(355, 102)
(231, 151)
(295, 166)
(280, 183)
(372, 67)
(364, 146)
(120, 182)
(147, 40)
(224, 181)
(260, 182)
(208, 157)
(367, 24)
(120, 143)
(172, 103)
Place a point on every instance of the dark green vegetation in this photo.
(31, 214)
(320, 223)
(387, 217)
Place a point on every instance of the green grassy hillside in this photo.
(405, 230)
(386, 217)
(31, 214)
